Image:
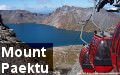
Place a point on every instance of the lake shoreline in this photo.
(48, 34)
(49, 25)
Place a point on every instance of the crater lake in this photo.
(40, 33)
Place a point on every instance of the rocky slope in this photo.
(21, 16)
(7, 35)
(64, 59)
(66, 17)
(69, 17)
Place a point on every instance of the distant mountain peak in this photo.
(68, 17)
(65, 17)
(21, 16)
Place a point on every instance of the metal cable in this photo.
(91, 17)
(82, 28)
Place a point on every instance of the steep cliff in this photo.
(7, 35)
(69, 17)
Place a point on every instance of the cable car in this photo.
(115, 49)
(99, 53)
(115, 9)
(103, 52)
(102, 3)
(84, 61)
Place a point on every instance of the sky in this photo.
(43, 6)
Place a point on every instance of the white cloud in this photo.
(4, 7)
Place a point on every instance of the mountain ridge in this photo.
(66, 17)
(21, 16)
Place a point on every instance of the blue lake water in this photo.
(39, 33)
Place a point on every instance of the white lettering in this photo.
(37, 68)
(46, 69)
(4, 66)
(4, 52)
(18, 53)
(30, 68)
(14, 69)
(34, 52)
(43, 52)
(27, 53)
(22, 69)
